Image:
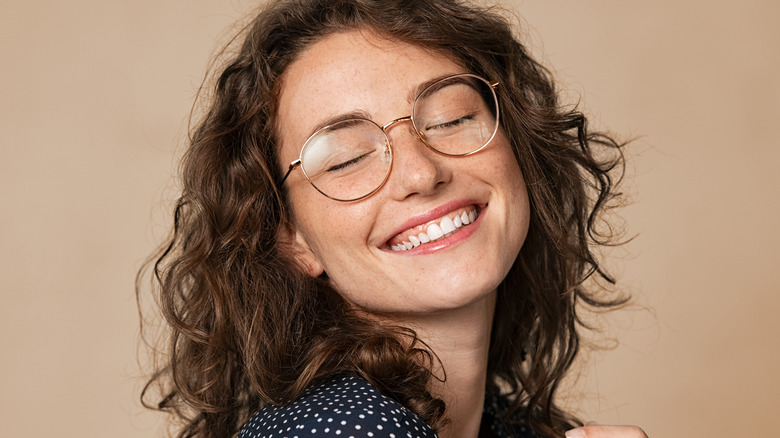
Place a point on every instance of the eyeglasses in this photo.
(351, 159)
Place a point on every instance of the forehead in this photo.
(352, 72)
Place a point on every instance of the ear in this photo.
(302, 254)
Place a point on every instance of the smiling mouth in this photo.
(437, 230)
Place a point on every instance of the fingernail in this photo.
(575, 433)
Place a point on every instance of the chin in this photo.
(452, 296)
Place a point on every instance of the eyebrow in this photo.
(416, 91)
(356, 114)
(362, 114)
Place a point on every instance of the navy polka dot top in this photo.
(350, 407)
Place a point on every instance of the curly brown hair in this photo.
(247, 327)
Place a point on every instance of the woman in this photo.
(385, 228)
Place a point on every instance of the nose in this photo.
(417, 170)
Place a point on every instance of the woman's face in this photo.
(352, 242)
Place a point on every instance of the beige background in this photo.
(93, 102)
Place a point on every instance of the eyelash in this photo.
(451, 122)
(347, 163)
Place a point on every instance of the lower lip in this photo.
(447, 242)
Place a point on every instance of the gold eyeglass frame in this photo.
(389, 142)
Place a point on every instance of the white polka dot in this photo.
(349, 401)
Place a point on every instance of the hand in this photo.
(600, 431)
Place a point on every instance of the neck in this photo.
(460, 339)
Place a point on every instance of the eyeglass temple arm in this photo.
(292, 167)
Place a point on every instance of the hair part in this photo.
(247, 327)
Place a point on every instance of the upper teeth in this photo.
(444, 228)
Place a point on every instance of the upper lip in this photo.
(432, 215)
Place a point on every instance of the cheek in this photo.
(504, 168)
(335, 231)
(516, 197)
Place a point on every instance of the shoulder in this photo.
(344, 407)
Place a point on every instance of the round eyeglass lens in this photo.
(348, 160)
(457, 115)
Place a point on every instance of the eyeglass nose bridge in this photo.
(414, 130)
(387, 126)
(398, 120)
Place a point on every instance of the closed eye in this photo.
(451, 123)
(348, 163)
